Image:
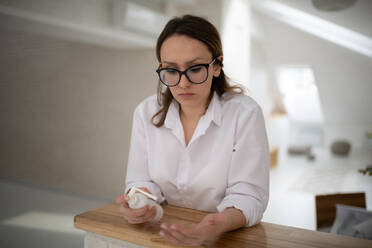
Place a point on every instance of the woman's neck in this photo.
(192, 113)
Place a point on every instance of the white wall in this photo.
(66, 107)
(261, 79)
(66, 111)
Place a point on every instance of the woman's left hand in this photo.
(205, 233)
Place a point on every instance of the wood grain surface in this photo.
(107, 220)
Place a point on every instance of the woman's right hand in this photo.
(135, 216)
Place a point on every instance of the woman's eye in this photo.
(170, 71)
(195, 69)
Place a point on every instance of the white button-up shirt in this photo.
(225, 164)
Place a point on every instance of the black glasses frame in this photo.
(158, 71)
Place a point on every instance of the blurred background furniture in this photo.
(352, 221)
(301, 150)
(326, 207)
(273, 157)
(341, 147)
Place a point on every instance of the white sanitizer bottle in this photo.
(138, 199)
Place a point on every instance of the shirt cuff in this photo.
(152, 187)
(251, 208)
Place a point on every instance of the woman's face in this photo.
(180, 52)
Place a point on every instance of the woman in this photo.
(200, 143)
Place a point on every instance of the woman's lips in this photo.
(186, 95)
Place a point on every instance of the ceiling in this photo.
(357, 18)
(109, 23)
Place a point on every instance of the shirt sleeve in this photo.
(248, 179)
(137, 170)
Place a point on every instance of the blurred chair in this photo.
(273, 157)
(326, 207)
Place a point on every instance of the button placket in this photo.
(181, 173)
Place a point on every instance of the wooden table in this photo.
(108, 221)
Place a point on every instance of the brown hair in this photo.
(202, 30)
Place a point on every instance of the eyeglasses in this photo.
(196, 74)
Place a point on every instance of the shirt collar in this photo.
(172, 115)
(213, 112)
(215, 109)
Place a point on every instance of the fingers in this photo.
(168, 236)
(149, 215)
(179, 235)
(134, 213)
(122, 199)
(119, 199)
(186, 232)
(133, 216)
(137, 216)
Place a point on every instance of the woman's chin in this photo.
(187, 102)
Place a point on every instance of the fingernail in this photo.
(161, 233)
(173, 227)
(164, 226)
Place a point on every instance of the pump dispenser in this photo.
(138, 199)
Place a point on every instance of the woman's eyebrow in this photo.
(187, 62)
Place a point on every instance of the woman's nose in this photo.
(184, 82)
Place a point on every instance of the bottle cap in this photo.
(134, 189)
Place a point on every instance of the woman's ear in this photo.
(217, 66)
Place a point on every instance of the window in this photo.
(300, 94)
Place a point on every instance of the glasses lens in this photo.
(197, 74)
(169, 76)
